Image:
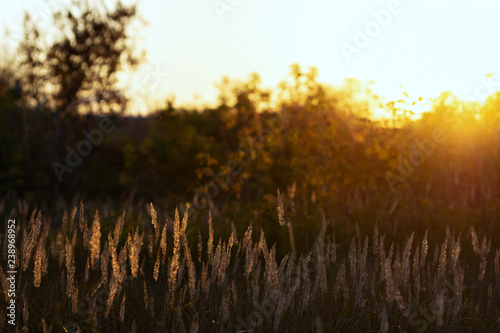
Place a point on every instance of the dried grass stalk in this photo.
(95, 242)
(280, 209)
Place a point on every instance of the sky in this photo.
(422, 47)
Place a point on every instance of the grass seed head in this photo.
(95, 242)
(281, 210)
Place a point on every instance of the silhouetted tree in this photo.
(73, 71)
(77, 71)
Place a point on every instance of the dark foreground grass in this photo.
(150, 275)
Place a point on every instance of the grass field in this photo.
(94, 273)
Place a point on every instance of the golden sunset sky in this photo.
(422, 47)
